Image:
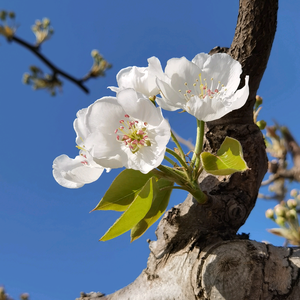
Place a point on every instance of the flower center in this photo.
(133, 134)
(200, 89)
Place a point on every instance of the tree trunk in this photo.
(197, 254)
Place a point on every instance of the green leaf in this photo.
(123, 190)
(159, 205)
(229, 159)
(135, 212)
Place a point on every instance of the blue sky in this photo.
(49, 240)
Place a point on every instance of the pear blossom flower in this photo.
(143, 81)
(127, 131)
(205, 87)
(74, 173)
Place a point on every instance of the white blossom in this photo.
(125, 131)
(205, 87)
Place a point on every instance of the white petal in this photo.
(165, 105)
(74, 173)
(181, 71)
(213, 109)
(222, 67)
(240, 97)
(139, 107)
(105, 149)
(80, 127)
(104, 115)
(171, 98)
(200, 59)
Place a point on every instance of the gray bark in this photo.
(197, 254)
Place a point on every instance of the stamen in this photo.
(134, 134)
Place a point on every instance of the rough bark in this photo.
(197, 254)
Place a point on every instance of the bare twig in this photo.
(35, 50)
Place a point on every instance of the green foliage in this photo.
(135, 212)
(124, 189)
(229, 159)
(158, 207)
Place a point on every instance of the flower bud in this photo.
(46, 22)
(26, 78)
(291, 203)
(292, 214)
(258, 100)
(24, 296)
(94, 53)
(280, 210)
(294, 193)
(11, 14)
(280, 221)
(261, 124)
(270, 213)
(3, 15)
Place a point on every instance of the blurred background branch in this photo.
(37, 78)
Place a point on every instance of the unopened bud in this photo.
(94, 53)
(261, 124)
(3, 15)
(11, 14)
(294, 193)
(258, 100)
(24, 296)
(280, 221)
(46, 22)
(291, 203)
(270, 213)
(280, 210)
(292, 214)
(26, 78)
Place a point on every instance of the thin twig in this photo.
(35, 50)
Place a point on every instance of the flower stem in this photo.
(180, 160)
(198, 147)
(177, 176)
(172, 162)
(178, 145)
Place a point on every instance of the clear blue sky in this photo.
(49, 241)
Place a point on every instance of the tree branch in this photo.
(35, 50)
(176, 262)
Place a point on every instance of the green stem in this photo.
(177, 176)
(182, 162)
(178, 145)
(198, 194)
(173, 163)
(198, 147)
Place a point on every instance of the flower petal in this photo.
(74, 173)
(200, 59)
(224, 69)
(139, 107)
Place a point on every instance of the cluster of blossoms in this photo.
(129, 131)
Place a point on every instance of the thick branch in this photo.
(235, 270)
(55, 70)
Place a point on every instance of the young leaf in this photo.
(135, 212)
(123, 190)
(229, 159)
(159, 205)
